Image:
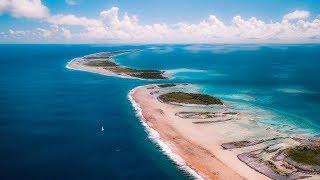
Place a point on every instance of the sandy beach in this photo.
(205, 146)
(76, 64)
(183, 139)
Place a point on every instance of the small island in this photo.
(102, 63)
(189, 98)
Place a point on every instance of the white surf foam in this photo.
(171, 73)
(68, 64)
(179, 70)
(155, 137)
(294, 90)
(244, 97)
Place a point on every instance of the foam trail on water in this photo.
(294, 90)
(155, 137)
(244, 97)
(185, 70)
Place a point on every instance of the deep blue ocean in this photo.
(51, 117)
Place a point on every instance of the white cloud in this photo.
(66, 33)
(111, 15)
(297, 14)
(39, 34)
(71, 2)
(44, 32)
(17, 33)
(4, 5)
(72, 20)
(24, 8)
(211, 30)
(110, 26)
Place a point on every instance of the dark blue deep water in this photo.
(51, 117)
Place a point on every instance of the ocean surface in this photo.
(51, 117)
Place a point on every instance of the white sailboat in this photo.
(102, 129)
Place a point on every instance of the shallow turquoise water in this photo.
(282, 80)
(50, 117)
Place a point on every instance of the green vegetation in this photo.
(144, 74)
(114, 67)
(148, 74)
(189, 98)
(309, 155)
(166, 85)
(100, 63)
(119, 69)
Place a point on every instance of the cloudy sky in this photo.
(162, 21)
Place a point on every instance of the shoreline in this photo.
(154, 136)
(196, 169)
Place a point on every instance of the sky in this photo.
(162, 21)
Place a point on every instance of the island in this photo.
(204, 135)
(213, 141)
(103, 63)
(189, 98)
